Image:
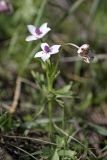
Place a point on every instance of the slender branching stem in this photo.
(50, 116)
(63, 118)
(50, 87)
(71, 44)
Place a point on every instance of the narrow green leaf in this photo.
(60, 102)
(99, 129)
(64, 89)
(94, 7)
(67, 153)
(55, 156)
(87, 102)
(75, 6)
(40, 12)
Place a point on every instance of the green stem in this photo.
(50, 116)
(63, 127)
(50, 86)
(63, 118)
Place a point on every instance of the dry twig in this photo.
(13, 107)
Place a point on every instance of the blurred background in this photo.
(78, 22)
(75, 21)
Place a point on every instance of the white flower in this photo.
(82, 48)
(3, 6)
(37, 33)
(85, 53)
(47, 51)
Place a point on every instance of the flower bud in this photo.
(85, 53)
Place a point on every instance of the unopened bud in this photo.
(5, 6)
(85, 53)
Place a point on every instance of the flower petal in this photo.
(45, 57)
(86, 59)
(55, 49)
(39, 54)
(79, 50)
(31, 29)
(44, 29)
(43, 26)
(45, 32)
(83, 47)
(43, 46)
(31, 38)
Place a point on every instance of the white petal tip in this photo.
(27, 40)
(31, 38)
(59, 46)
(49, 29)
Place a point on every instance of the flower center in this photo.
(47, 49)
(38, 32)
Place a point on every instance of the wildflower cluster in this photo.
(51, 69)
(38, 33)
(47, 51)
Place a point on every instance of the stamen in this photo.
(38, 32)
(47, 49)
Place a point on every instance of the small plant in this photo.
(51, 69)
